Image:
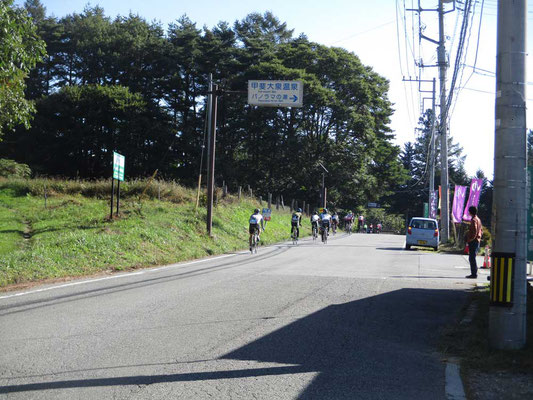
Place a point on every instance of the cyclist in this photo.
(314, 220)
(325, 219)
(379, 227)
(296, 222)
(256, 223)
(334, 221)
(348, 220)
(361, 222)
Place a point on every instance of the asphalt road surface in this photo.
(357, 318)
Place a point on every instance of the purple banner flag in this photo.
(473, 197)
(458, 203)
(433, 204)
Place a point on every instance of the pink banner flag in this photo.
(458, 203)
(473, 197)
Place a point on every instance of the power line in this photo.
(411, 118)
(363, 32)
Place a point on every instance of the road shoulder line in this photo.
(453, 384)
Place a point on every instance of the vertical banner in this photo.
(473, 197)
(426, 210)
(530, 214)
(459, 196)
(433, 204)
(440, 197)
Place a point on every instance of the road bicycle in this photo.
(334, 228)
(349, 227)
(315, 232)
(294, 235)
(255, 241)
(324, 233)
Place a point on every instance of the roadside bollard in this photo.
(486, 260)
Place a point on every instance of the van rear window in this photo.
(422, 224)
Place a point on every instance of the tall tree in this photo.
(20, 50)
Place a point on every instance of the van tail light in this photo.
(409, 230)
(436, 234)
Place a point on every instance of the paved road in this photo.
(357, 318)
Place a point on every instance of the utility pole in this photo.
(507, 314)
(443, 126)
(211, 159)
(443, 65)
(431, 184)
(323, 195)
(432, 147)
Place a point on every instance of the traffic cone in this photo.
(466, 249)
(486, 260)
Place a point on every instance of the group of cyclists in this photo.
(320, 224)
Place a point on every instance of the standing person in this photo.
(361, 223)
(473, 238)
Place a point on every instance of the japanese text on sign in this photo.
(275, 93)
(119, 162)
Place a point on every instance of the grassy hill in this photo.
(73, 235)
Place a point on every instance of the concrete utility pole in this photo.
(507, 315)
(443, 65)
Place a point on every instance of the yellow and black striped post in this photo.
(501, 279)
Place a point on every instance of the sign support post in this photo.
(118, 196)
(119, 161)
(112, 193)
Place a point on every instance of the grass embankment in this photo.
(470, 341)
(73, 235)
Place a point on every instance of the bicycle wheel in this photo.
(256, 240)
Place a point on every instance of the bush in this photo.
(391, 222)
(101, 189)
(13, 169)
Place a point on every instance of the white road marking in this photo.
(127, 275)
(454, 385)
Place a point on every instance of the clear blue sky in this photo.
(369, 28)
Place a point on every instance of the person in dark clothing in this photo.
(473, 238)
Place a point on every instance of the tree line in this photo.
(127, 85)
(136, 87)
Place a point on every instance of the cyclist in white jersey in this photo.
(256, 223)
(314, 220)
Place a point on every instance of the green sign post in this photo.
(119, 162)
(426, 210)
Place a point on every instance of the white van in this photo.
(422, 232)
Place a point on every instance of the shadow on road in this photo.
(23, 306)
(375, 348)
